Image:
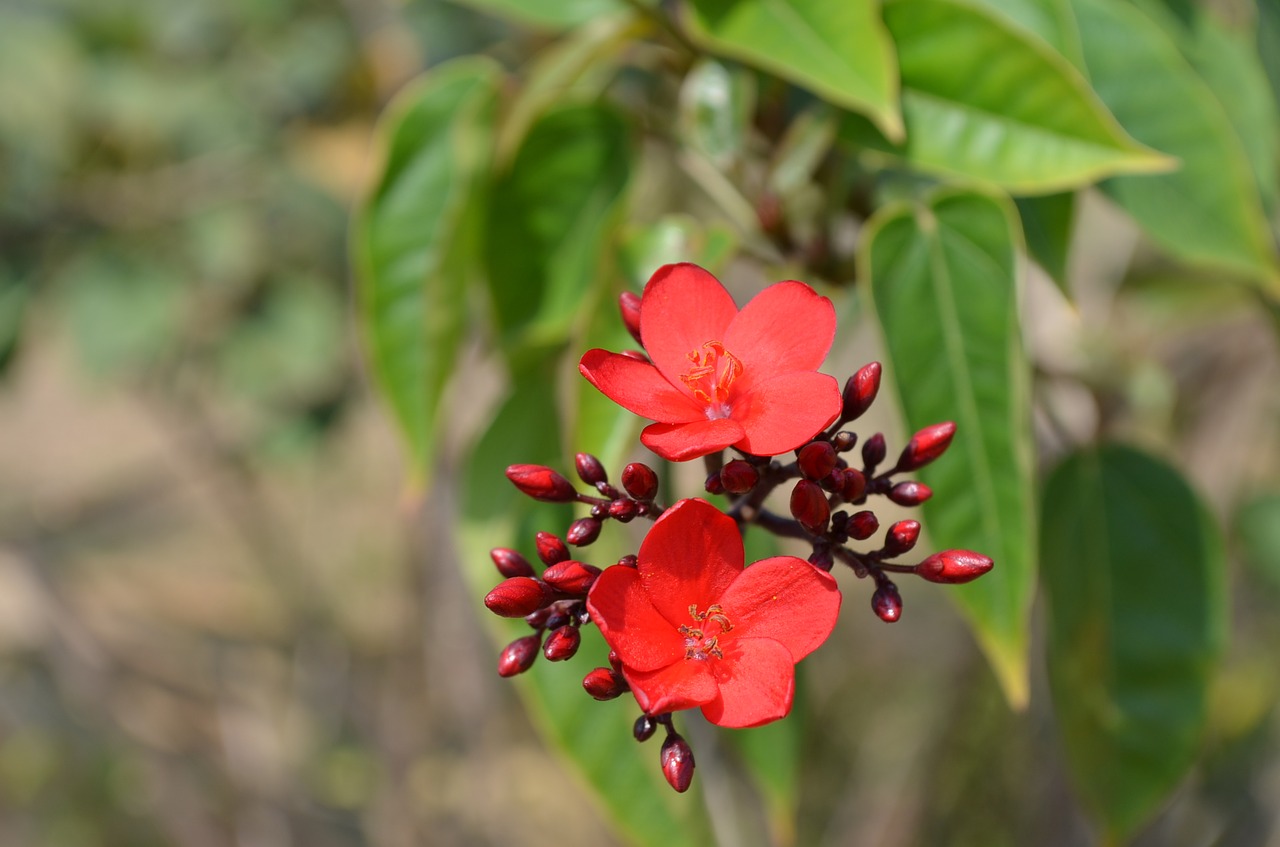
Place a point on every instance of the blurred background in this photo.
(222, 623)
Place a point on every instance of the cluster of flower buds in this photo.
(825, 480)
(703, 401)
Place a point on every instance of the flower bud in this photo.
(551, 548)
(910, 493)
(739, 477)
(517, 596)
(604, 684)
(926, 445)
(809, 506)
(517, 657)
(558, 618)
(863, 525)
(629, 306)
(853, 485)
(590, 470)
(954, 566)
(615, 661)
(873, 450)
(542, 483)
(900, 538)
(583, 531)
(822, 559)
(629, 561)
(677, 762)
(640, 481)
(644, 727)
(562, 644)
(714, 485)
(887, 603)
(860, 390)
(817, 459)
(510, 563)
(844, 440)
(571, 577)
(623, 509)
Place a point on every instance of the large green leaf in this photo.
(838, 49)
(1047, 223)
(550, 14)
(1133, 570)
(943, 276)
(414, 241)
(554, 212)
(985, 101)
(623, 776)
(1208, 210)
(1049, 20)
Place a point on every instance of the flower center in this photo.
(701, 641)
(711, 375)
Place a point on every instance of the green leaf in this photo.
(1050, 20)
(548, 14)
(414, 242)
(1047, 223)
(838, 49)
(943, 277)
(1257, 527)
(716, 105)
(1208, 211)
(554, 212)
(1134, 579)
(984, 101)
(675, 238)
(623, 777)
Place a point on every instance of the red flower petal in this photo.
(678, 442)
(787, 327)
(757, 683)
(683, 307)
(784, 599)
(682, 685)
(785, 411)
(627, 619)
(638, 387)
(691, 556)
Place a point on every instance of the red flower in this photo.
(722, 377)
(693, 627)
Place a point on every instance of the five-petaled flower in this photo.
(693, 627)
(721, 377)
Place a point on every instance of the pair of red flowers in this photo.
(692, 626)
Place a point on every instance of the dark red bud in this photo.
(863, 525)
(629, 561)
(739, 477)
(583, 531)
(629, 306)
(714, 485)
(542, 483)
(860, 391)
(623, 510)
(510, 563)
(677, 762)
(562, 644)
(853, 485)
(590, 470)
(640, 481)
(954, 566)
(844, 440)
(926, 445)
(615, 661)
(900, 538)
(809, 506)
(551, 548)
(604, 684)
(910, 493)
(873, 450)
(644, 728)
(571, 577)
(517, 657)
(817, 459)
(822, 559)
(887, 603)
(516, 597)
(556, 619)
